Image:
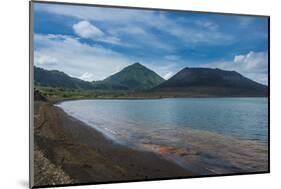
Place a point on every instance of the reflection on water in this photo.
(207, 136)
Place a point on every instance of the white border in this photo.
(15, 95)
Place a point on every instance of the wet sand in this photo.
(77, 153)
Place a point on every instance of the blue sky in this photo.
(92, 43)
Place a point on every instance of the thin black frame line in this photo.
(146, 8)
(268, 105)
(31, 49)
(31, 98)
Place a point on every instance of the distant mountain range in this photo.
(185, 83)
(133, 77)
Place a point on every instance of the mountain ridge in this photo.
(58, 79)
(136, 78)
(218, 82)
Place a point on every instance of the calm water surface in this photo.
(205, 135)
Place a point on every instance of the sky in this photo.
(92, 43)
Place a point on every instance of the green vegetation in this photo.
(134, 77)
(55, 94)
(57, 79)
(61, 93)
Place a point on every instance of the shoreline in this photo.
(60, 100)
(85, 155)
(198, 153)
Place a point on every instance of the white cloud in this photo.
(86, 76)
(45, 60)
(168, 75)
(86, 30)
(207, 24)
(133, 30)
(253, 65)
(76, 59)
(193, 36)
(245, 21)
(239, 58)
(113, 40)
(172, 57)
(140, 37)
(190, 31)
(252, 62)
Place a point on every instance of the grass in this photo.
(56, 94)
(74, 93)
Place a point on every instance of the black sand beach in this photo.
(68, 151)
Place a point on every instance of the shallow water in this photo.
(204, 135)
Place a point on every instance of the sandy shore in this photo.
(68, 151)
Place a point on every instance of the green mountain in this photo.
(133, 77)
(210, 82)
(58, 79)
